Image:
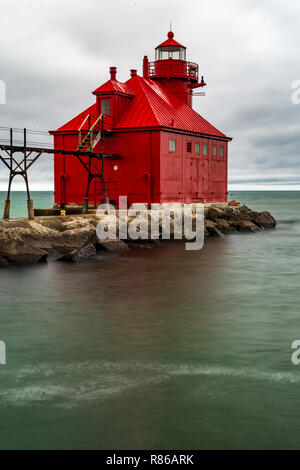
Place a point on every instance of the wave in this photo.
(73, 384)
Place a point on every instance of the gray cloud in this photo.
(57, 52)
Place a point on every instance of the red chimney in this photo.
(145, 67)
(113, 73)
(133, 72)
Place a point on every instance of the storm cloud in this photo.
(54, 53)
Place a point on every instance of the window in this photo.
(197, 149)
(162, 53)
(105, 107)
(221, 151)
(170, 52)
(174, 54)
(189, 147)
(172, 145)
(182, 53)
(214, 150)
(204, 149)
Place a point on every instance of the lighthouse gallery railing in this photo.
(173, 68)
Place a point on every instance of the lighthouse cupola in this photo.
(170, 49)
(172, 69)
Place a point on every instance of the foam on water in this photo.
(74, 386)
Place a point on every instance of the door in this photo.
(194, 178)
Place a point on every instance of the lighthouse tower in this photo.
(171, 69)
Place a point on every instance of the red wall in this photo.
(132, 176)
(179, 88)
(148, 171)
(188, 177)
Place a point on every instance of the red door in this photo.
(203, 189)
(194, 179)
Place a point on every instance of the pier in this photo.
(18, 154)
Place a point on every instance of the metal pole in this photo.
(11, 164)
(30, 207)
(106, 199)
(85, 208)
(25, 167)
(89, 136)
(6, 211)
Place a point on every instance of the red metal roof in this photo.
(154, 106)
(170, 41)
(151, 106)
(113, 86)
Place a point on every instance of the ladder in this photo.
(92, 137)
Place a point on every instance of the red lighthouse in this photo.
(147, 142)
(172, 70)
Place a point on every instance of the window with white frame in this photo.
(105, 107)
(172, 145)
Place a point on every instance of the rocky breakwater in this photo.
(224, 218)
(74, 238)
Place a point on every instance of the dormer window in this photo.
(105, 107)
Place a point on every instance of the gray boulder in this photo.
(83, 253)
(112, 245)
(211, 228)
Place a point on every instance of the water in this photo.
(162, 349)
(18, 201)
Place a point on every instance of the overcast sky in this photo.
(53, 53)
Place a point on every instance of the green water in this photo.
(163, 349)
(18, 202)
